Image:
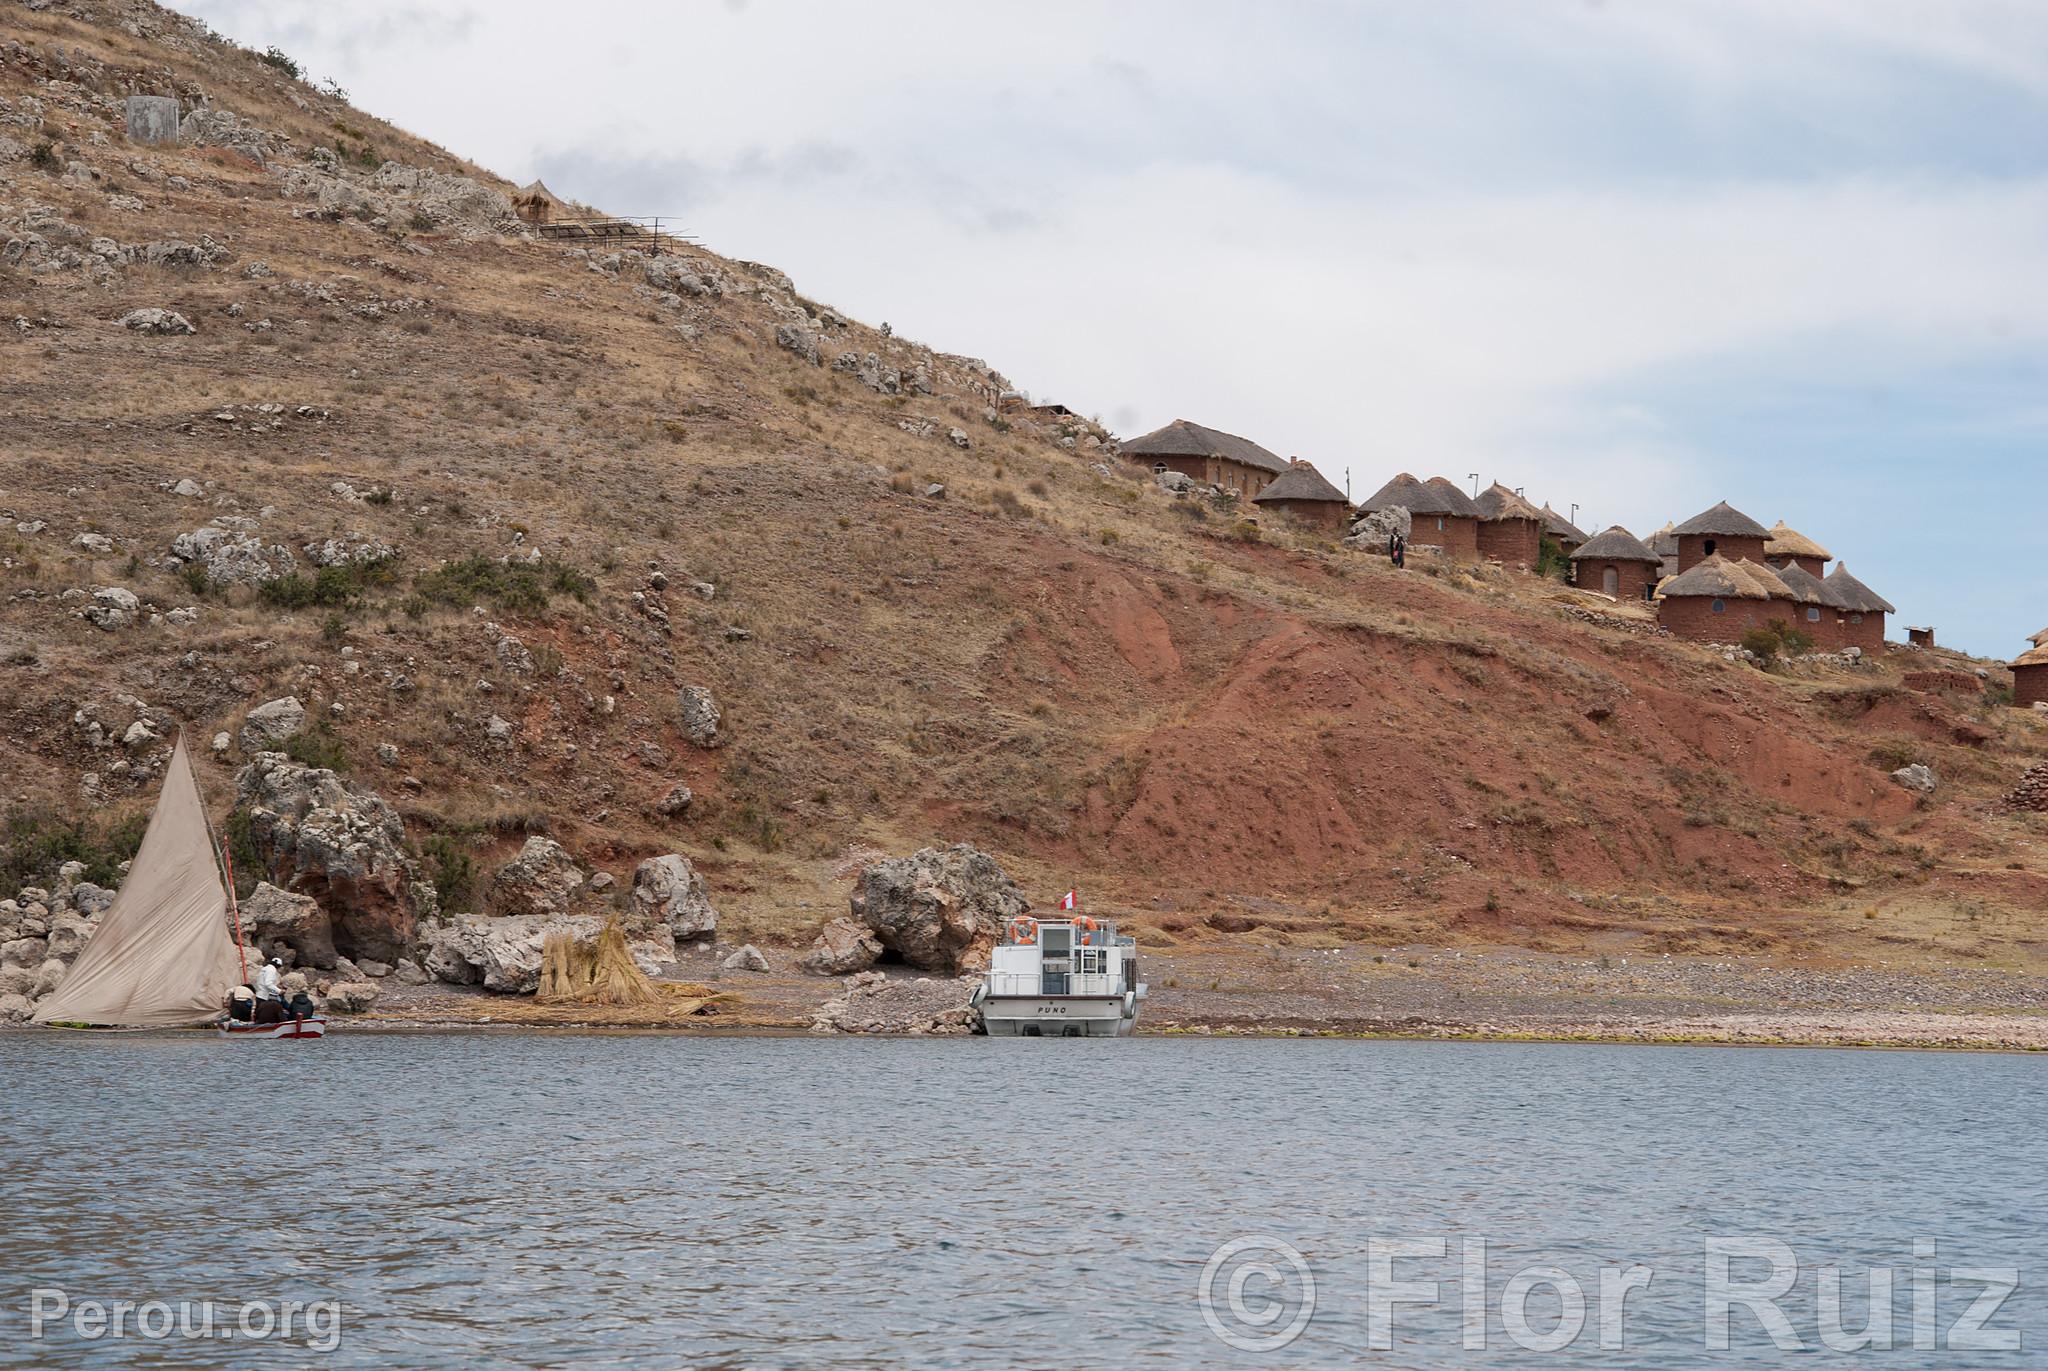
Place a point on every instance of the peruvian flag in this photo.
(1071, 900)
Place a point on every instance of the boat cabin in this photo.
(1061, 978)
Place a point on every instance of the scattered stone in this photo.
(669, 892)
(676, 802)
(541, 880)
(842, 945)
(1918, 778)
(958, 437)
(232, 556)
(387, 753)
(157, 321)
(700, 716)
(1176, 481)
(188, 488)
(349, 997)
(221, 742)
(98, 543)
(801, 341)
(270, 723)
(748, 958)
(112, 607)
(406, 971)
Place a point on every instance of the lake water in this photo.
(557, 1200)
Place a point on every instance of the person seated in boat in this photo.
(301, 1006)
(241, 1004)
(269, 978)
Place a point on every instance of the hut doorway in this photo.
(1610, 581)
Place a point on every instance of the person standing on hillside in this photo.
(1397, 549)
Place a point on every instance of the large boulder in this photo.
(668, 892)
(271, 916)
(316, 834)
(271, 722)
(15, 1008)
(940, 909)
(844, 945)
(541, 880)
(700, 715)
(1372, 531)
(68, 934)
(349, 997)
(498, 953)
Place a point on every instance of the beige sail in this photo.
(161, 955)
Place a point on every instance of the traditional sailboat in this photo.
(162, 957)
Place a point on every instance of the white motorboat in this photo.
(1070, 977)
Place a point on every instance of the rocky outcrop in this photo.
(158, 321)
(112, 607)
(542, 880)
(349, 997)
(667, 892)
(801, 341)
(1372, 531)
(843, 945)
(700, 716)
(940, 909)
(271, 722)
(231, 556)
(1918, 778)
(272, 918)
(315, 834)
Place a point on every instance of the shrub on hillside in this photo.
(34, 843)
(276, 57)
(513, 587)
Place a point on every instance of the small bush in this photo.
(452, 871)
(34, 843)
(276, 57)
(45, 158)
(195, 578)
(317, 747)
(513, 587)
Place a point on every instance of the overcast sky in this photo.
(1641, 255)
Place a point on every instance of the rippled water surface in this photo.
(542, 1200)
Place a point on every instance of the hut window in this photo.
(1720, 606)
(1855, 618)
(1159, 468)
(1812, 615)
(1708, 547)
(1439, 524)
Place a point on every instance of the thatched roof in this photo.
(1405, 492)
(1617, 544)
(537, 190)
(1857, 597)
(1718, 578)
(1183, 439)
(1561, 528)
(1787, 542)
(1723, 520)
(1461, 503)
(2037, 657)
(1497, 503)
(2040, 639)
(1664, 542)
(1301, 482)
(1808, 588)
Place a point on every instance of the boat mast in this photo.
(224, 867)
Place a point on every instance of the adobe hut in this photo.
(1863, 611)
(1614, 563)
(1207, 455)
(2030, 674)
(1302, 493)
(535, 203)
(1664, 543)
(1920, 637)
(1567, 535)
(1718, 600)
(1789, 547)
(1440, 520)
(1510, 528)
(1722, 531)
(1821, 609)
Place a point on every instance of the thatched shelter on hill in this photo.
(1302, 493)
(1615, 563)
(1443, 515)
(1208, 455)
(1510, 528)
(535, 203)
(1722, 531)
(1821, 607)
(2030, 674)
(1568, 536)
(1717, 600)
(1863, 611)
(1789, 547)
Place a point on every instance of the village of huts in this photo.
(1720, 577)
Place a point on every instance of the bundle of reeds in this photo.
(602, 972)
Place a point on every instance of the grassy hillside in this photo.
(1223, 733)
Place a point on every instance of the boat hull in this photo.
(1059, 1016)
(314, 1027)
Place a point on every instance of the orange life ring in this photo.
(1024, 930)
